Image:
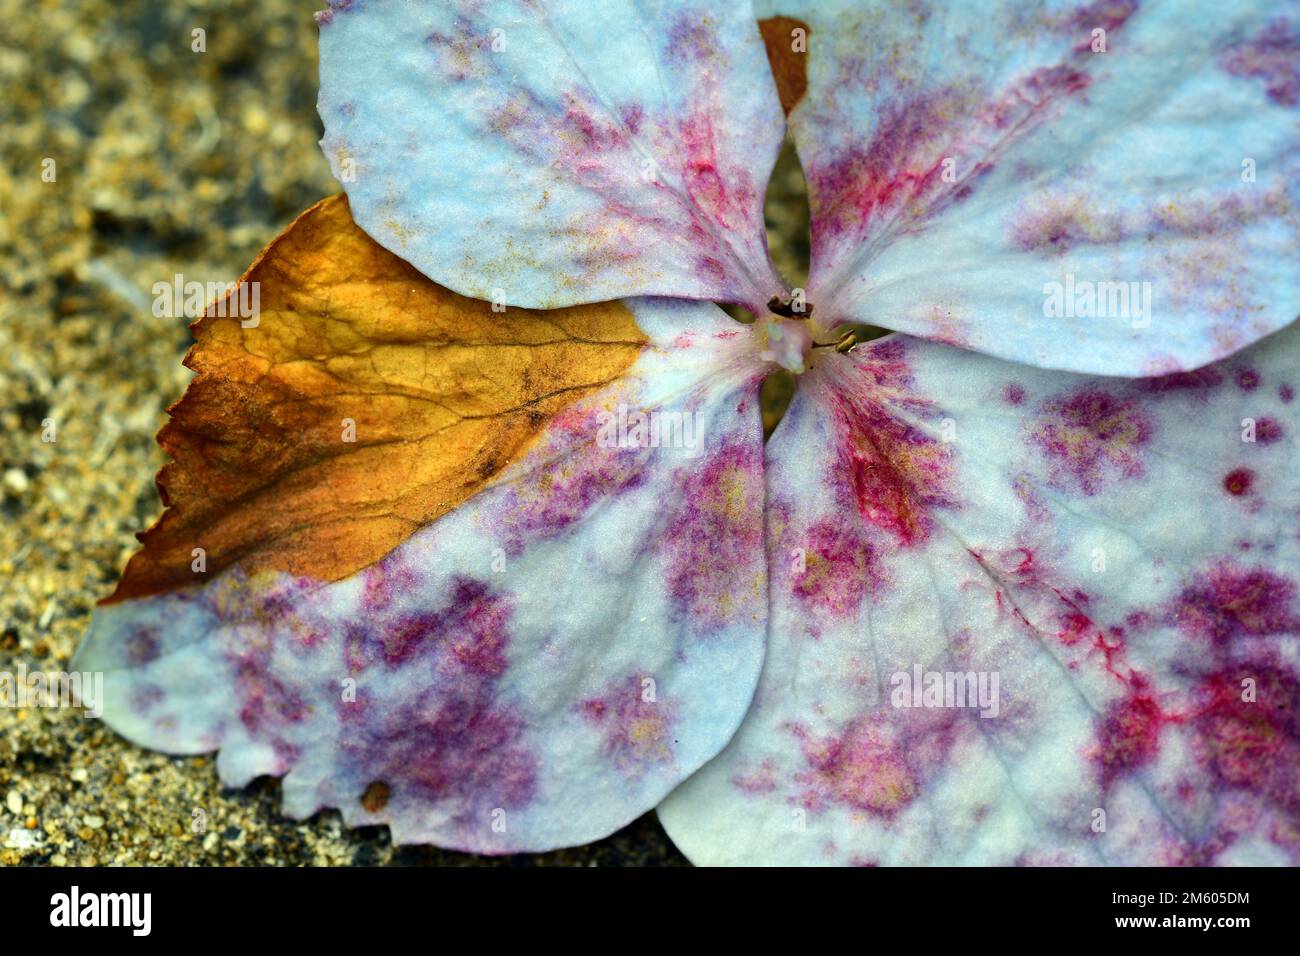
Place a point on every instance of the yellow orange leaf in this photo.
(365, 402)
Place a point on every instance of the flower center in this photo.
(786, 342)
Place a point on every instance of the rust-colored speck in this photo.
(376, 796)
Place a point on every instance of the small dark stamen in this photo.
(784, 307)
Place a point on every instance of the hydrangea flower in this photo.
(1014, 583)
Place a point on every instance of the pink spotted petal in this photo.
(550, 154)
(1109, 186)
(1121, 557)
(533, 670)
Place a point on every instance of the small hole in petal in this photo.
(774, 398)
(738, 312)
(785, 211)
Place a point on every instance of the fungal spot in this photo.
(1108, 15)
(637, 730)
(1270, 58)
(1058, 224)
(861, 768)
(142, 647)
(1239, 481)
(841, 569)
(1128, 737)
(547, 501)
(874, 765)
(1251, 745)
(1229, 602)
(1092, 437)
(1268, 431)
(714, 528)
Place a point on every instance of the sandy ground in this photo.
(165, 160)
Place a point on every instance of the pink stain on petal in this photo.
(1129, 734)
(874, 764)
(1091, 438)
(1248, 723)
(1108, 15)
(466, 633)
(722, 200)
(650, 168)
(713, 536)
(862, 768)
(636, 726)
(1229, 602)
(1057, 224)
(895, 167)
(892, 471)
(269, 705)
(577, 476)
(1025, 100)
(841, 569)
(1073, 627)
(1270, 58)
(1200, 381)
(759, 779)
(929, 150)
(455, 741)
(464, 752)
(387, 581)
(1247, 379)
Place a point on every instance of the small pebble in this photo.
(16, 480)
(14, 801)
(93, 821)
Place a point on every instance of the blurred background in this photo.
(166, 159)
